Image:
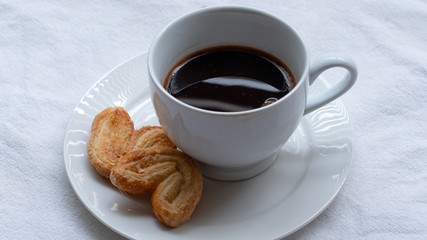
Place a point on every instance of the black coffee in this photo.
(229, 79)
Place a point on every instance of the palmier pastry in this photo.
(111, 129)
(113, 135)
(172, 176)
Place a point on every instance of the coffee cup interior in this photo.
(224, 26)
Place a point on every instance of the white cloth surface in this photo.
(51, 52)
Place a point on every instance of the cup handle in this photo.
(322, 64)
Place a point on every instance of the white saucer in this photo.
(308, 174)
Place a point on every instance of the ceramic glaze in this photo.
(237, 145)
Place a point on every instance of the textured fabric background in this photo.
(51, 52)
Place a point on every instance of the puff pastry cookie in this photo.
(171, 175)
(113, 135)
(145, 160)
(111, 129)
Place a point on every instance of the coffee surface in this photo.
(229, 79)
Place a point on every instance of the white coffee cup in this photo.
(237, 145)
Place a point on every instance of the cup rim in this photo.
(231, 8)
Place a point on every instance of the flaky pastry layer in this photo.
(173, 177)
